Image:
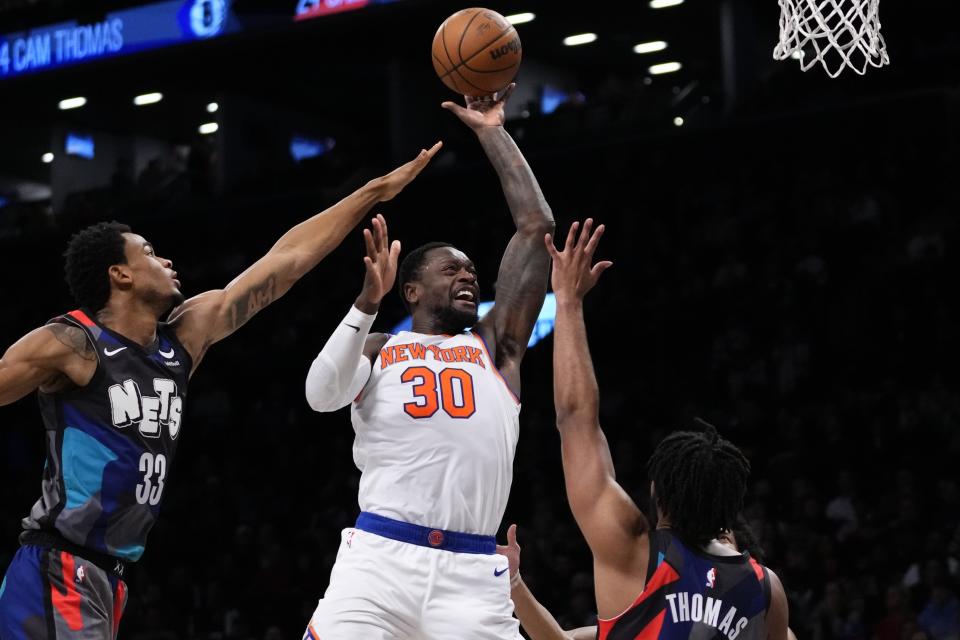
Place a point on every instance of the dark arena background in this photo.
(785, 251)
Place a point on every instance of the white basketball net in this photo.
(836, 33)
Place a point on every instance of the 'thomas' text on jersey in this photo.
(695, 607)
(436, 431)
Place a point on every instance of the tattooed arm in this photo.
(522, 280)
(49, 358)
(212, 316)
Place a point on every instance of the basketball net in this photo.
(838, 34)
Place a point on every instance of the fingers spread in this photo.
(572, 235)
(548, 241)
(594, 240)
(585, 234)
(368, 240)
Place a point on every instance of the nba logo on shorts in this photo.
(711, 577)
(81, 573)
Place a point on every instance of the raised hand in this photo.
(381, 264)
(390, 185)
(483, 111)
(573, 274)
(511, 550)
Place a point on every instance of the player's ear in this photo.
(120, 276)
(412, 292)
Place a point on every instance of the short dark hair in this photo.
(699, 482)
(412, 266)
(90, 252)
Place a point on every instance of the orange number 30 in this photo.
(429, 400)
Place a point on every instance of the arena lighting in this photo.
(663, 4)
(72, 103)
(212, 107)
(678, 121)
(148, 98)
(666, 67)
(520, 18)
(580, 38)
(47, 158)
(208, 128)
(650, 47)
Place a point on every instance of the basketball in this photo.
(476, 52)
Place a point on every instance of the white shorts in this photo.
(383, 589)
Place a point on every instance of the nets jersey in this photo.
(436, 431)
(110, 444)
(695, 596)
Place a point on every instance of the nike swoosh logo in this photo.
(110, 353)
(499, 573)
(357, 329)
(167, 355)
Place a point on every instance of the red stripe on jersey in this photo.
(652, 630)
(664, 575)
(119, 599)
(82, 318)
(68, 604)
(757, 569)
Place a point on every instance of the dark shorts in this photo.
(49, 594)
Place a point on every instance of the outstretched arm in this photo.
(212, 316)
(341, 369)
(534, 617)
(608, 518)
(522, 280)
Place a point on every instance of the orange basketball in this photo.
(476, 52)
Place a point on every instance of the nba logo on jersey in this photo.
(80, 574)
(711, 577)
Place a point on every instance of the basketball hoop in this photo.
(838, 34)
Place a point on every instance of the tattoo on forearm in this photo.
(520, 186)
(75, 338)
(253, 301)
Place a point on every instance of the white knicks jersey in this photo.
(436, 432)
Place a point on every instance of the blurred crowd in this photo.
(798, 299)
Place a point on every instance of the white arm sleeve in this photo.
(340, 371)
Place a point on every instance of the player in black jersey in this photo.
(112, 383)
(677, 581)
(540, 623)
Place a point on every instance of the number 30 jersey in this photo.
(436, 432)
(110, 444)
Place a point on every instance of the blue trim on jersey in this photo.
(130, 552)
(425, 536)
(84, 460)
(660, 558)
(3, 586)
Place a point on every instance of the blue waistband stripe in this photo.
(425, 536)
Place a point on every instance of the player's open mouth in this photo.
(466, 294)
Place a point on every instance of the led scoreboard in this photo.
(151, 26)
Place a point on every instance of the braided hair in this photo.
(699, 482)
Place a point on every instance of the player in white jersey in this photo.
(435, 411)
